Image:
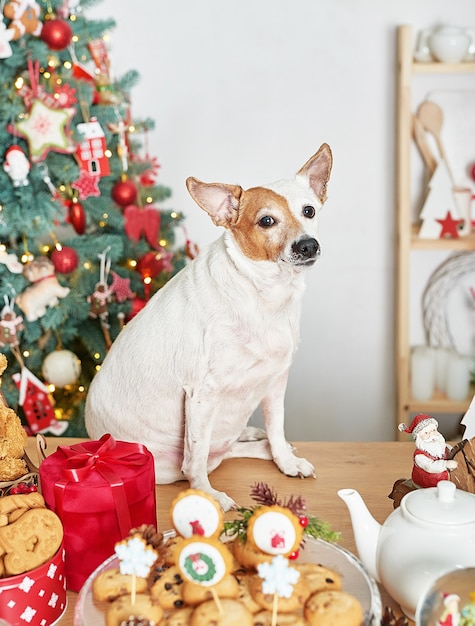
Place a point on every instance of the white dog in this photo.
(185, 375)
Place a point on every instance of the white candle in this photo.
(441, 358)
(422, 373)
(458, 376)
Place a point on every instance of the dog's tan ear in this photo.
(317, 171)
(220, 201)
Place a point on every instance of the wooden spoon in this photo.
(424, 148)
(431, 117)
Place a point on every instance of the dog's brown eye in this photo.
(266, 222)
(308, 211)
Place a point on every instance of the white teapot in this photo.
(430, 533)
(449, 44)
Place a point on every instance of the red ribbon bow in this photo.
(110, 454)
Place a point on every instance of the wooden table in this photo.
(370, 468)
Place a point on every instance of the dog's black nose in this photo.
(307, 247)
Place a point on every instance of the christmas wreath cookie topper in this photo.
(204, 561)
(194, 512)
(275, 530)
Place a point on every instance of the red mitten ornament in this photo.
(139, 221)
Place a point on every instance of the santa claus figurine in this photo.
(450, 614)
(431, 462)
(17, 166)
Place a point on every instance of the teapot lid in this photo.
(444, 504)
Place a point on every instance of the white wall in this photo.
(245, 91)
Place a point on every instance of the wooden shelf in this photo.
(443, 68)
(407, 232)
(439, 403)
(462, 243)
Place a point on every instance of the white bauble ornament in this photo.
(61, 368)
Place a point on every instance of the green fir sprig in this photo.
(265, 496)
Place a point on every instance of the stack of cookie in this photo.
(30, 534)
(183, 586)
(31, 561)
(12, 440)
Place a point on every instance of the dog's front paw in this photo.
(291, 465)
(224, 500)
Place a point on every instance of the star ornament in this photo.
(449, 226)
(46, 129)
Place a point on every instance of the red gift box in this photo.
(100, 490)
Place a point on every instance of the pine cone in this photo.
(389, 619)
(296, 505)
(263, 494)
(151, 536)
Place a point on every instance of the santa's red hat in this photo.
(450, 597)
(418, 423)
(14, 150)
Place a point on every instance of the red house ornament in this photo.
(91, 151)
(35, 401)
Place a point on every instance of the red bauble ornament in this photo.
(77, 217)
(150, 265)
(137, 305)
(124, 192)
(56, 34)
(303, 521)
(65, 259)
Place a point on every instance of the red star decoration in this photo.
(87, 185)
(121, 287)
(449, 226)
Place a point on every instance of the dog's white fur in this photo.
(185, 375)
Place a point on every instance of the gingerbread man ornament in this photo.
(24, 16)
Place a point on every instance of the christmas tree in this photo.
(83, 244)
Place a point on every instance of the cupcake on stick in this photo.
(201, 558)
(135, 559)
(275, 530)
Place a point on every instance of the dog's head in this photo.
(275, 222)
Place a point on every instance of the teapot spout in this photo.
(366, 530)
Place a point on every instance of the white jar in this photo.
(450, 44)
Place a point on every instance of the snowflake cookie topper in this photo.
(278, 577)
(135, 556)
